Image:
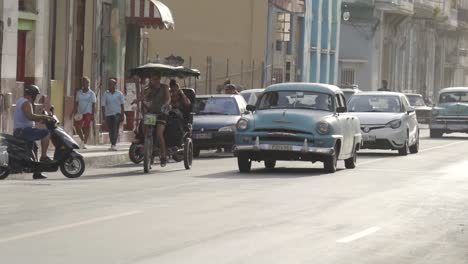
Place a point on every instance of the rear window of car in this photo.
(454, 97)
(416, 100)
(375, 103)
(216, 106)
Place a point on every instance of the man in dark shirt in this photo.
(384, 86)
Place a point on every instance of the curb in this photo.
(99, 160)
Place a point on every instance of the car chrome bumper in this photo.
(291, 148)
(449, 125)
(384, 138)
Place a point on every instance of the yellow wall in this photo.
(222, 29)
(60, 41)
(88, 39)
(56, 98)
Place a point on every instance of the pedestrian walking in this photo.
(113, 111)
(384, 87)
(83, 112)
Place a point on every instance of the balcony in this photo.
(463, 14)
(428, 8)
(403, 7)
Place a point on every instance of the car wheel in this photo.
(436, 133)
(415, 148)
(244, 163)
(270, 164)
(404, 150)
(351, 162)
(331, 162)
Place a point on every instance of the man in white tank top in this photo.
(24, 119)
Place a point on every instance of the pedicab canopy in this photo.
(165, 70)
(149, 14)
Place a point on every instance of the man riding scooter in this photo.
(24, 124)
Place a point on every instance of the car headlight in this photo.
(394, 124)
(323, 127)
(242, 124)
(435, 112)
(226, 129)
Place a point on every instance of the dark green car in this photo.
(451, 113)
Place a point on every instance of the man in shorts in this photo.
(85, 108)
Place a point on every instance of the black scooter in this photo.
(16, 155)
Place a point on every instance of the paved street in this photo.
(390, 209)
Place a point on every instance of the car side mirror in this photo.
(411, 110)
(341, 109)
(250, 108)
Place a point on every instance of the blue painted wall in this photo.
(321, 43)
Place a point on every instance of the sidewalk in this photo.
(100, 156)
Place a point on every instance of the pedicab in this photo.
(178, 133)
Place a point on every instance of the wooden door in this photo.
(21, 56)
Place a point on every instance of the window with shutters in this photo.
(347, 76)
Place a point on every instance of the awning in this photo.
(149, 13)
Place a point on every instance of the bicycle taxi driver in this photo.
(157, 100)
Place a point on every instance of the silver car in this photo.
(387, 121)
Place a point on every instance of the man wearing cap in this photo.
(230, 89)
(24, 124)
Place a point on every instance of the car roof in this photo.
(454, 89)
(380, 93)
(217, 95)
(413, 94)
(253, 90)
(318, 87)
(351, 90)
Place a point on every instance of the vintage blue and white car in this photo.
(451, 113)
(298, 122)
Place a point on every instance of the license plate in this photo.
(202, 136)
(281, 147)
(150, 119)
(369, 138)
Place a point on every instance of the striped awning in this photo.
(150, 14)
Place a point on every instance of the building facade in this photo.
(417, 46)
(54, 43)
(321, 41)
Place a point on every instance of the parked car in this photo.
(215, 120)
(387, 121)
(298, 121)
(423, 112)
(252, 95)
(451, 113)
(349, 90)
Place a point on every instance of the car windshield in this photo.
(458, 97)
(374, 103)
(216, 106)
(296, 100)
(416, 100)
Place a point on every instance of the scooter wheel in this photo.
(73, 167)
(4, 172)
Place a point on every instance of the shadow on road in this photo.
(278, 173)
(378, 154)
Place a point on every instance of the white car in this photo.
(251, 95)
(387, 121)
